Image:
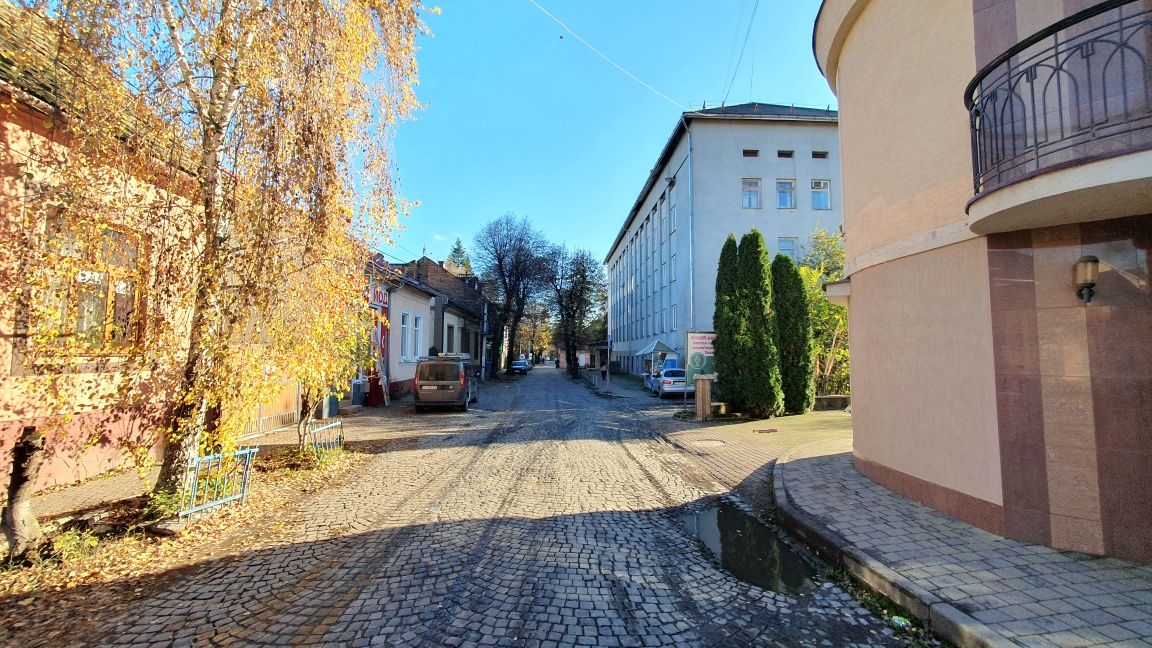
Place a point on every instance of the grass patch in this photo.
(906, 626)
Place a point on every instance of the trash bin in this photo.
(359, 391)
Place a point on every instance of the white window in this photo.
(785, 194)
(672, 324)
(821, 198)
(786, 245)
(750, 193)
(404, 326)
(417, 335)
(663, 275)
(672, 269)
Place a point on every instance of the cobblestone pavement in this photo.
(546, 518)
(1033, 595)
(1030, 595)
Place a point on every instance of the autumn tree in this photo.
(727, 323)
(508, 254)
(536, 327)
(760, 383)
(793, 335)
(276, 116)
(823, 262)
(577, 281)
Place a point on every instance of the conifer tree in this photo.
(726, 323)
(760, 377)
(793, 335)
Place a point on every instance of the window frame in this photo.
(744, 193)
(826, 191)
(89, 258)
(791, 193)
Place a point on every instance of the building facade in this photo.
(989, 379)
(723, 171)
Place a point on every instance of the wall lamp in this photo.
(1086, 272)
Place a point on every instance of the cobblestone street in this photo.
(545, 516)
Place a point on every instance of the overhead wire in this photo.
(609, 60)
(747, 33)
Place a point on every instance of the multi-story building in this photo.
(723, 171)
(998, 212)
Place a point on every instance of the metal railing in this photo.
(1077, 91)
(326, 438)
(216, 480)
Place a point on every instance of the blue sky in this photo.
(522, 118)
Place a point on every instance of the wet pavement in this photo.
(545, 517)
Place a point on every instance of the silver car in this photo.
(672, 381)
(447, 380)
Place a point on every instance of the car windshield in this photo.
(673, 373)
(442, 371)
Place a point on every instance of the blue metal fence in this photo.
(326, 438)
(216, 480)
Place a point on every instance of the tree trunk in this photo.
(21, 528)
(307, 408)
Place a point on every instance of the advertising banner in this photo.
(700, 357)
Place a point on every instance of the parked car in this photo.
(673, 381)
(446, 380)
(519, 367)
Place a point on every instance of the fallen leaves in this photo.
(134, 564)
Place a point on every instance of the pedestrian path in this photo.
(973, 587)
(128, 483)
(1021, 594)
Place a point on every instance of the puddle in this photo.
(749, 550)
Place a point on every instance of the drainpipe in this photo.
(691, 242)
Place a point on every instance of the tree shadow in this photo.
(618, 575)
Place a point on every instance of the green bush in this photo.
(793, 335)
(726, 323)
(162, 505)
(73, 545)
(759, 376)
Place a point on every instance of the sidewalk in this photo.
(131, 483)
(972, 587)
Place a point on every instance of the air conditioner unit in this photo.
(819, 184)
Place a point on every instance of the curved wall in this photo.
(924, 400)
(982, 386)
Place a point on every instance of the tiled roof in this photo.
(766, 110)
(30, 58)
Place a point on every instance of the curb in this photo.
(935, 613)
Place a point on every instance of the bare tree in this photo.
(507, 253)
(577, 281)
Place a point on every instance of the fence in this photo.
(326, 438)
(216, 480)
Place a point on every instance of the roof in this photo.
(655, 346)
(767, 111)
(747, 111)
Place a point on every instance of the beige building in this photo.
(988, 381)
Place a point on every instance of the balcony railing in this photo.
(1075, 92)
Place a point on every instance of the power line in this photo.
(747, 33)
(610, 61)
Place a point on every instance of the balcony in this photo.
(1062, 123)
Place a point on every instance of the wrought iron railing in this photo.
(326, 438)
(1074, 92)
(216, 480)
